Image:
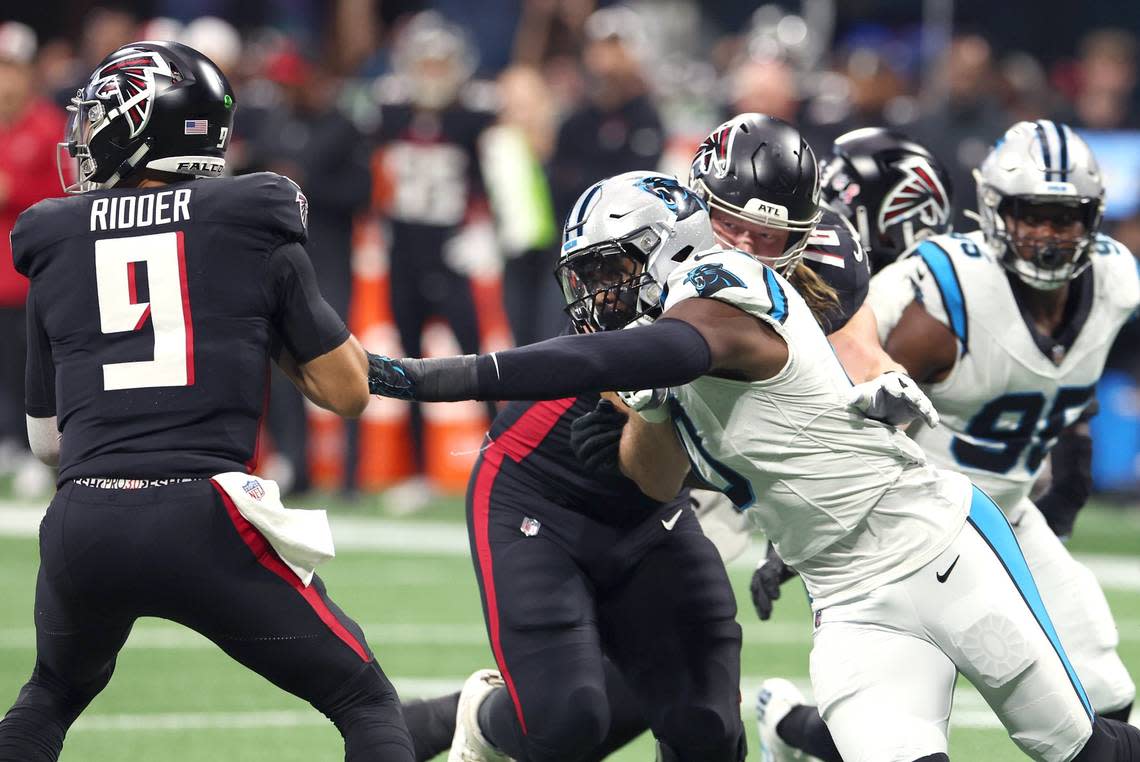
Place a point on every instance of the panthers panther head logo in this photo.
(709, 278)
(679, 199)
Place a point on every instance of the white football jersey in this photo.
(1011, 391)
(847, 501)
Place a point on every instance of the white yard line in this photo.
(970, 711)
(437, 538)
(155, 635)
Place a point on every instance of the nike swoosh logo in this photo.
(673, 521)
(946, 574)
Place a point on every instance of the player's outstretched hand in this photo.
(389, 378)
(766, 580)
(596, 438)
(893, 398)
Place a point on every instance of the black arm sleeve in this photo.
(1072, 481)
(304, 321)
(668, 353)
(39, 369)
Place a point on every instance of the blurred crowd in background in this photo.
(440, 145)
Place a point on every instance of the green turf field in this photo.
(175, 698)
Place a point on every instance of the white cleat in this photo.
(776, 698)
(468, 743)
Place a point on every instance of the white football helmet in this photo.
(621, 240)
(1041, 175)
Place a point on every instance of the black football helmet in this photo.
(760, 169)
(156, 108)
(893, 191)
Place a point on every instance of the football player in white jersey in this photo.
(1009, 328)
(905, 564)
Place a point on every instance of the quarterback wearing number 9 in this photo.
(157, 300)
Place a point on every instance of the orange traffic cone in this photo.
(385, 438)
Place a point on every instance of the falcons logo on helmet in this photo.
(918, 194)
(130, 80)
(712, 156)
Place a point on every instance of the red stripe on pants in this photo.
(267, 557)
(518, 441)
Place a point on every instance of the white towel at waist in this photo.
(301, 538)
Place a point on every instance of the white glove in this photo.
(893, 398)
(650, 404)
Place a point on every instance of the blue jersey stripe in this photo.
(1046, 154)
(946, 278)
(776, 295)
(738, 490)
(1061, 130)
(987, 518)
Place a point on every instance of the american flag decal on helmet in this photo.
(133, 75)
(918, 194)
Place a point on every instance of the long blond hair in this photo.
(820, 297)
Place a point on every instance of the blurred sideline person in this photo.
(29, 129)
(903, 562)
(618, 128)
(307, 138)
(946, 311)
(428, 122)
(158, 296)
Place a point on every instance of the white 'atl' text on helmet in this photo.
(1042, 162)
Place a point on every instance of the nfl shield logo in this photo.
(530, 526)
(818, 614)
(254, 489)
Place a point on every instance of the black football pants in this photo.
(183, 553)
(563, 597)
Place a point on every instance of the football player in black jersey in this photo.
(157, 301)
(608, 612)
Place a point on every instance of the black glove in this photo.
(1071, 461)
(389, 378)
(766, 580)
(596, 437)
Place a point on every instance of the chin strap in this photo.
(127, 167)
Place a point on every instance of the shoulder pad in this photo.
(263, 200)
(835, 254)
(939, 284)
(731, 276)
(1119, 269)
(42, 224)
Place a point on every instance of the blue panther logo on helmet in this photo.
(679, 199)
(712, 277)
